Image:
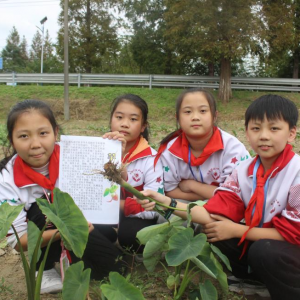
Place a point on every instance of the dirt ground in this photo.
(85, 121)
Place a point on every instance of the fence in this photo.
(238, 83)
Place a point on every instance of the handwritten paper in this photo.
(97, 197)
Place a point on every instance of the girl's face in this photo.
(195, 118)
(33, 138)
(128, 120)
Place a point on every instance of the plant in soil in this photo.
(73, 229)
(190, 255)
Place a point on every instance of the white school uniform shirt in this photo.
(15, 195)
(143, 176)
(214, 170)
(283, 194)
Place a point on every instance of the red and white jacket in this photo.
(227, 152)
(282, 209)
(143, 176)
(16, 195)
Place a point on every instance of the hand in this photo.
(220, 229)
(185, 185)
(116, 135)
(91, 227)
(149, 205)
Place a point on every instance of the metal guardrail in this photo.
(237, 83)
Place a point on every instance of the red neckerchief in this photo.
(28, 176)
(214, 144)
(163, 146)
(257, 199)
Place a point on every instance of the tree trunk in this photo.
(88, 64)
(296, 64)
(225, 92)
(211, 69)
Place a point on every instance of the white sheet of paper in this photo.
(79, 155)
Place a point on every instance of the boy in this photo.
(265, 191)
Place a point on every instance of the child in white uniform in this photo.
(265, 191)
(129, 124)
(31, 172)
(199, 156)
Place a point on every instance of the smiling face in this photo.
(268, 138)
(33, 138)
(195, 117)
(128, 120)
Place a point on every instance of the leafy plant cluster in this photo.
(190, 255)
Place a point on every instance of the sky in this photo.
(25, 15)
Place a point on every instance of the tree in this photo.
(216, 30)
(91, 34)
(281, 31)
(149, 45)
(14, 53)
(50, 62)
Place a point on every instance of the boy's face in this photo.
(269, 138)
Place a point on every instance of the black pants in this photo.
(128, 229)
(100, 254)
(275, 263)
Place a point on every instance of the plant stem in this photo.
(139, 195)
(184, 282)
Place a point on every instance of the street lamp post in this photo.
(42, 30)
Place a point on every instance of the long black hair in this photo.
(16, 111)
(139, 103)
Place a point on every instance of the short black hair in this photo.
(272, 107)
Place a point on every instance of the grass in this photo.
(89, 111)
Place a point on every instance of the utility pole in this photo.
(66, 61)
(42, 30)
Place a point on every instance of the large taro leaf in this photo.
(33, 233)
(76, 283)
(68, 219)
(183, 246)
(8, 214)
(221, 276)
(205, 264)
(208, 291)
(154, 249)
(223, 257)
(147, 233)
(120, 289)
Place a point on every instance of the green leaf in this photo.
(106, 192)
(221, 276)
(173, 281)
(153, 250)
(33, 233)
(208, 291)
(183, 246)
(206, 265)
(120, 289)
(8, 214)
(223, 257)
(68, 219)
(113, 188)
(76, 283)
(147, 233)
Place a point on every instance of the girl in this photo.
(128, 123)
(199, 156)
(31, 172)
